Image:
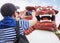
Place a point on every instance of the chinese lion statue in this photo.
(45, 18)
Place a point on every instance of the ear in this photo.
(59, 27)
(14, 15)
(56, 11)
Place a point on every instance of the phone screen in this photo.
(29, 13)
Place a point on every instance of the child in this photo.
(9, 12)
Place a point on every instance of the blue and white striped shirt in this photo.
(8, 34)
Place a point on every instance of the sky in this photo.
(23, 3)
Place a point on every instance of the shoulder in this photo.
(24, 23)
(23, 20)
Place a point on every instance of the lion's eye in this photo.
(37, 9)
(40, 8)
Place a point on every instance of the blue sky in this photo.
(23, 3)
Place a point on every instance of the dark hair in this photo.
(8, 9)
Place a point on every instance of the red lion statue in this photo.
(45, 18)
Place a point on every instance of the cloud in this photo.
(54, 0)
(44, 4)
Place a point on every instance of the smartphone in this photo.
(29, 13)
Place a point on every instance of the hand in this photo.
(33, 13)
(33, 21)
(23, 14)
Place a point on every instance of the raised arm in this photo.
(31, 22)
(34, 20)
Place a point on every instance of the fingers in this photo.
(24, 14)
(33, 13)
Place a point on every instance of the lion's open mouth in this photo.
(45, 17)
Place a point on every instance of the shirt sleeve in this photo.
(24, 24)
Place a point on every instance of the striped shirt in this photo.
(8, 34)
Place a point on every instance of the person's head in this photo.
(8, 9)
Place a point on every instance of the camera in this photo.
(29, 13)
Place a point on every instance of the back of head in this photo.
(8, 9)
